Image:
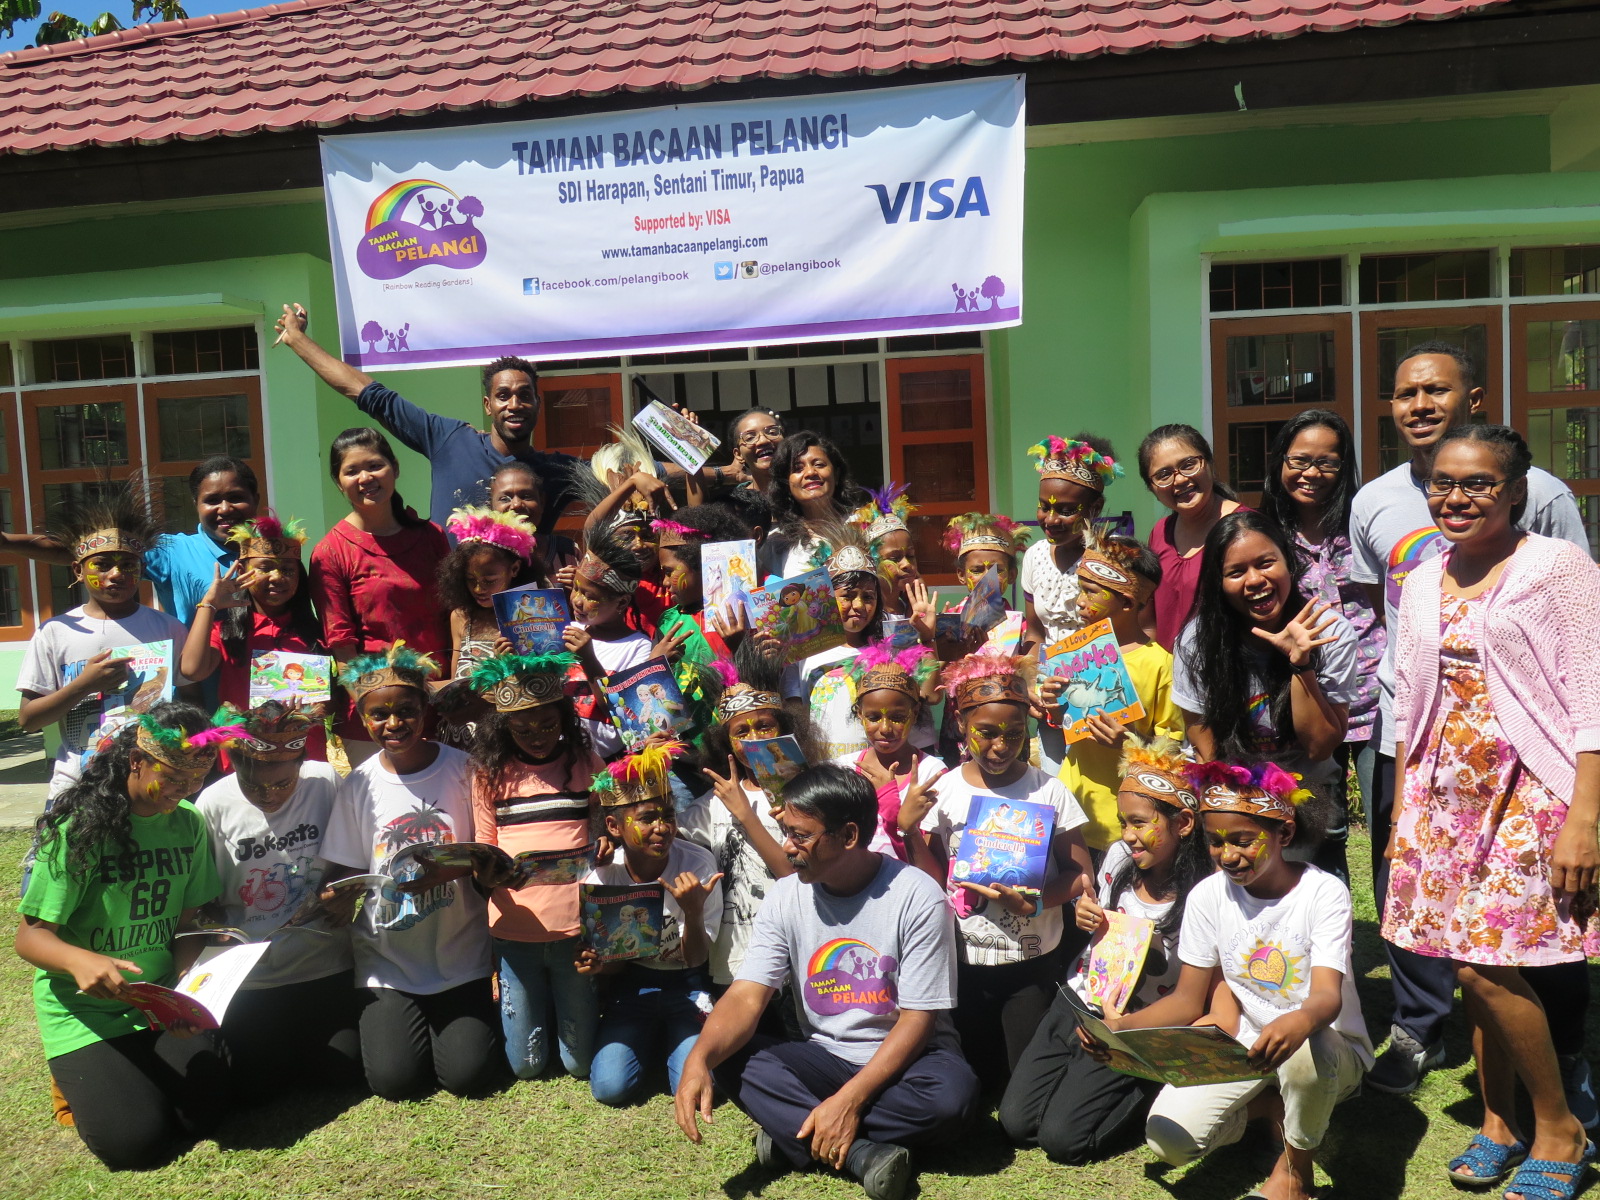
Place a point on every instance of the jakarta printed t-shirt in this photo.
(858, 960)
(425, 943)
(268, 864)
(682, 856)
(127, 906)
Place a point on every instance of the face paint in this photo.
(1150, 836)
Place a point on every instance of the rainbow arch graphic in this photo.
(1408, 549)
(389, 205)
(829, 953)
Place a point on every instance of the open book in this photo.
(1182, 1055)
(202, 995)
(495, 867)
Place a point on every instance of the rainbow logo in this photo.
(847, 975)
(827, 958)
(1409, 553)
(392, 203)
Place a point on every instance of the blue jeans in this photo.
(647, 1011)
(533, 975)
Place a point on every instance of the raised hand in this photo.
(670, 645)
(292, 322)
(918, 802)
(922, 609)
(690, 892)
(1090, 916)
(728, 788)
(730, 621)
(1299, 637)
(229, 591)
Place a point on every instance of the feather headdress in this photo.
(507, 530)
(1110, 561)
(879, 667)
(269, 732)
(641, 775)
(989, 676)
(1075, 461)
(268, 537)
(1262, 789)
(1158, 771)
(398, 666)
(849, 553)
(887, 512)
(183, 752)
(114, 519)
(514, 682)
(984, 531)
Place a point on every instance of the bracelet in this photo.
(716, 475)
(206, 604)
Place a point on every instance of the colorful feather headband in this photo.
(514, 682)
(1157, 771)
(398, 666)
(269, 732)
(989, 676)
(1260, 790)
(507, 530)
(984, 531)
(268, 537)
(887, 512)
(182, 751)
(675, 533)
(879, 667)
(642, 775)
(1077, 462)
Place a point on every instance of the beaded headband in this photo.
(1158, 772)
(507, 530)
(741, 698)
(983, 531)
(594, 569)
(270, 732)
(106, 541)
(1077, 462)
(268, 537)
(396, 667)
(1261, 790)
(987, 677)
(516, 682)
(642, 775)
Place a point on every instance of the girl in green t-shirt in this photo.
(123, 864)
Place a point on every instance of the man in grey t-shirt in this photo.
(1392, 532)
(870, 947)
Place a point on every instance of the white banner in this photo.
(858, 214)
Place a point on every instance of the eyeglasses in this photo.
(1475, 488)
(751, 436)
(801, 840)
(1188, 468)
(1299, 462)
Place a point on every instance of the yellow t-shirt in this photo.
(1093, 772)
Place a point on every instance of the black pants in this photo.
(999, 1009)
(312, 1022)
(413, 1044)
(1064, 1102)
(139, 1098)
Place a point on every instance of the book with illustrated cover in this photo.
(644, 700)
(497, 868)
(284, 675)
(1182, 1055)
(801, 613)
(1005, 841)
(728, 574)
(1090, 660)
(533, 619)
(774, 762)
(201, 997)
(149, 682)
(622, 921)
(1116, 959)
(683, 441)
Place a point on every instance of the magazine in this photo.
(533, 619)
(315, 914)
(644, 700)
(676, 436)
(498, 869)
(622, 921)
(1182, 1055)
(1116, 959)
(1005, 841)
(202, 996)
(774, 762)
(1090, 660)
(728, 574)
(801, 613)
(284, 675)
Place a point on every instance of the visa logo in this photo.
(940, 206)
(724, 270)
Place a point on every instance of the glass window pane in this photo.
(942, 472)
(83, 358)
(1566, 441)
(204, 351)
(1406, 278)
(577, 416)
(10, 596)
(7, 513)
(7, 375)
(1304, 283)
(64, 593)
(1555, 271)
(1563, 356)
(177, 505)
(927, 536)
(937, 341)
(196, 427)
(82, 435)
(1281, 368)
(1247, 453)
(936, 399)
(1392, 346)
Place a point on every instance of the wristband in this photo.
(206, 604)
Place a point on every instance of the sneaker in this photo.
(883, 1169)
(1400, 1068)
(767, 1155)
(1578, 1083)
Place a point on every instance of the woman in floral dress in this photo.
(1494, 849)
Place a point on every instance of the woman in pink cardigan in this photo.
(1494, 849)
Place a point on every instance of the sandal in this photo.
(1545, 1179)
(1485, 1163)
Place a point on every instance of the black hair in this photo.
(1510, 451)
(847, 496)
(493, 746)
(364, 437)
(1276, 502)
(509, 363)
(123, 505)
(221, 464)
(751, 507)
(1465, 363)
(1215, 657)
(234, 624)
(733, 422)
(836, 796)
(451, 577)
(603, 544)
(713, 520)
(517, 467)
(1191, 437)
(1190, 865)
(765, 674)
(94, 814)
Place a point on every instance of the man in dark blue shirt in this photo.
(463, 458)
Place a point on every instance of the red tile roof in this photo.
(325, 63)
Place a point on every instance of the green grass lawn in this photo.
(549, 1137)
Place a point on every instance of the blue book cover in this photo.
(533, 619)
(1005, 841)
(644, 700)
(774, 762)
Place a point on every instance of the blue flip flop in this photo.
(1485, 1162)
(1533, 1180)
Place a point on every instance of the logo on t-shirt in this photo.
(1269, 970)
(1409, 553)
(398, 911)
(847, 974)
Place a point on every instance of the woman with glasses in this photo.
(754, 436)
(1311, 482)
(1175, 464)
(1493, 853)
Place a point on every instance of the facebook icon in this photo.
(724, 270)
(530, 287)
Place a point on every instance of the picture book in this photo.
(533, 619)
(983, 611)
(985, 605)
(683, 441)
(801, 613)
(728, 574)
(1005, 841)
(284, 675)
(150, 670)
(314, 913)
(1182, 1055)
(900, 633)
(774, 762)
(645, 699)
(1090, 660)
(622, 920)
(495, 867)
(1116, 958)
(202, 995)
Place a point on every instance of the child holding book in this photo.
(1008, 937)
(1061, 1099)
(620, 488)
(69, 663)
(603, 587)
(422, 950)
(659, 1002)
(262, 603)
(124, 863)
(1277, 933)
(530, 792)
(1116, 577)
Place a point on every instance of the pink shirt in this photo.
(233, 676)
(1180, 580)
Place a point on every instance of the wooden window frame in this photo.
(1522, 400)
(22, 503)
(181, 389)
(570, 522)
